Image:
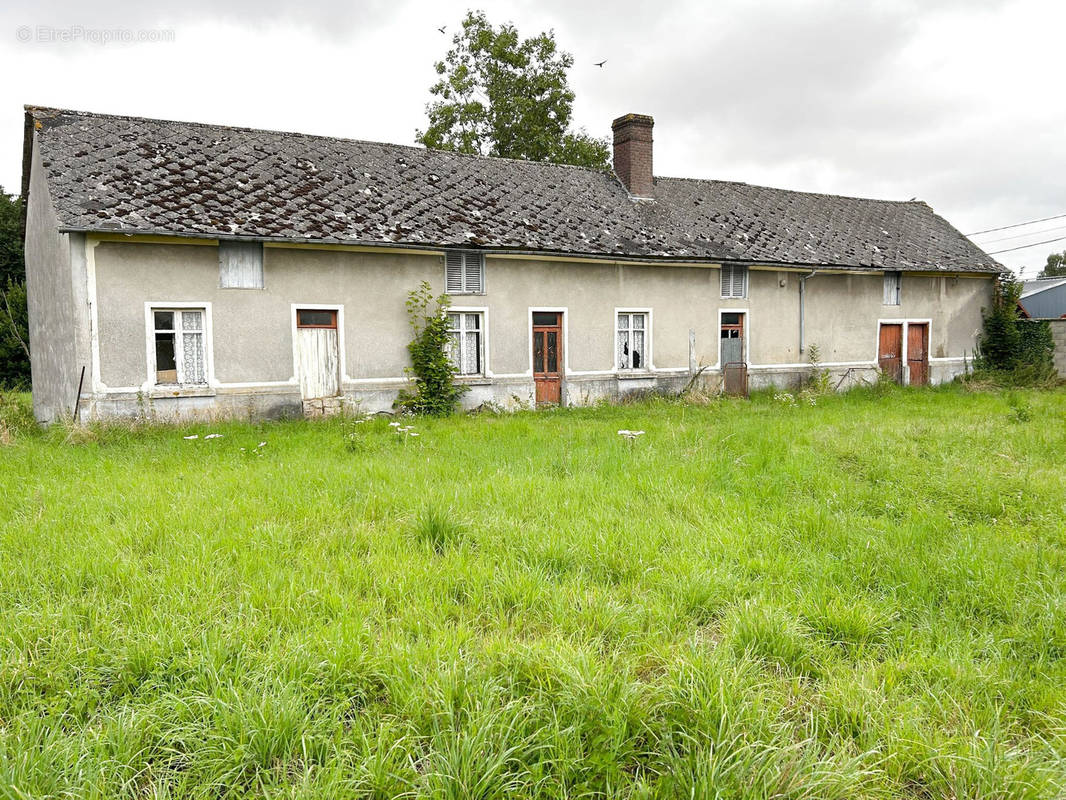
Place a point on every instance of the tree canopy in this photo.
(502, 95)
(14, 335)
(1055, 267)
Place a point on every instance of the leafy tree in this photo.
(14, 331)
(1055, 267)
(502, 95)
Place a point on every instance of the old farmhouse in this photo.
(182, 269)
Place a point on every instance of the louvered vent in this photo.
(733, 281)
(464, 272)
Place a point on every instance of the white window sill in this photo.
(634, 374)
(175, 390)
(473, 380)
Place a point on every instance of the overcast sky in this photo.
(957, 102)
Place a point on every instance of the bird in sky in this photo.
(600, 63)
(441, 28)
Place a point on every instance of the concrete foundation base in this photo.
(510, 394)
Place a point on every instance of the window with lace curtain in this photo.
(465, 344)
(178, 355)
(631, 340)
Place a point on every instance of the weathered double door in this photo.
(890, 354)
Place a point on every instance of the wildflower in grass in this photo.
(630, 435)
(194, 436)
(213, 436)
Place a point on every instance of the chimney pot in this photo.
(632, 153)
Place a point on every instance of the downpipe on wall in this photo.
(803, 292)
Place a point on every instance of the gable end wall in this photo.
(50, 297)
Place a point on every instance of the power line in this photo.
(1017, 225)
(1024, 235)
(1022, 247)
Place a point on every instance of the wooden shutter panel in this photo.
(738, 281)
(733, 278)
(453, 269)
(240, 265)
(474, 272)
(892, 284)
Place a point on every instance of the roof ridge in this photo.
(51, 112)
(829, 195)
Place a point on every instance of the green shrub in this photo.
(1013, 351)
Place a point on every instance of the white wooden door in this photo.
(316, 350)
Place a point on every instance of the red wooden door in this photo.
(547, 355)
(918, 354)
(890, 351)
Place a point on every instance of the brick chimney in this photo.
(632, 153)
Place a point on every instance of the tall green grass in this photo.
(864, 598)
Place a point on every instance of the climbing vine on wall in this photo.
(435, 390)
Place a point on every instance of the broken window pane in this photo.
(165, 365)
(631, 328)
(164, 320)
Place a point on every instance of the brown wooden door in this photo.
(918, 354)
(890, 351)
(547, 355)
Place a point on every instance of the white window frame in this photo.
(896, 279)
(464, 257)
(730, 268)
(648, 364)
(176, 308)
(483, 316)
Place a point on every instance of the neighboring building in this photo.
(198, 270)
(1044, 298)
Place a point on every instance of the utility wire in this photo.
(1056, 229)
(1016, 225)
(1022, 247)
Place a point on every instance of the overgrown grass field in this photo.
(864, 598)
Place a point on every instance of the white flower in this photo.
(261, 444)
(630, 434)
(394, 424)
(213, 436)
(414, 434)
(194, 436)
